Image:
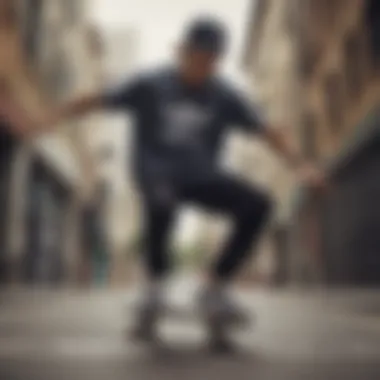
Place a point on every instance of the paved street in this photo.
(71, 335)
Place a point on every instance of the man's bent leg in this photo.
(158, 218)
(250, 217)
(158, 215)
(249, 208)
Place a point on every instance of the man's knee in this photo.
(258, 207)
(163, 198)
(265, 205)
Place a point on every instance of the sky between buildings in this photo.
(158, 24)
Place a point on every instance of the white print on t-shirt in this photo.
(184, 122)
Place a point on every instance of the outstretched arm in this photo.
(71, 110)
(244, 114)
(309, 174)
(280, 143)
(25, 126)
(127, 95)
(14, 116)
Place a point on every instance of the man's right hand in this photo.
(73, 109)
(19, 122)
(48, 122)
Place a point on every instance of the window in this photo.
(95, 43)
(311, 37)
(32, 29)
(327, 12)
(71, 10)
(308, 59)
(59, 78)
(9, 16)
(333, 10)
(308, 136)
(334, 100)
(372, 20)
(354, 64)
(323, 14)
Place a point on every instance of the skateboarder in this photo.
(182, 114)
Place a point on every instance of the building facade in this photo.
(46, 184)
(339, 58)
(325, 72)
(270, 66)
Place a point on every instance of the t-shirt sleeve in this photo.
(244, 113)
(127, 95)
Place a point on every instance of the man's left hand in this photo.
(311, 176)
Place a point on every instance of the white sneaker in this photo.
(217, 305)
(148, 313)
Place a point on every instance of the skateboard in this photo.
(220, 331)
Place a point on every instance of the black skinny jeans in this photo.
(248, 207)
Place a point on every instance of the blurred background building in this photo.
(69, 208)
(35, 171)
(315, 65)
(53, 54)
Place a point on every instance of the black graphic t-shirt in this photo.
(179, 129)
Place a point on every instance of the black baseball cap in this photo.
(206, 34)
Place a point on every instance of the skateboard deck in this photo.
(220, 333)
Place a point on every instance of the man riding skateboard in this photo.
(182, 114)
